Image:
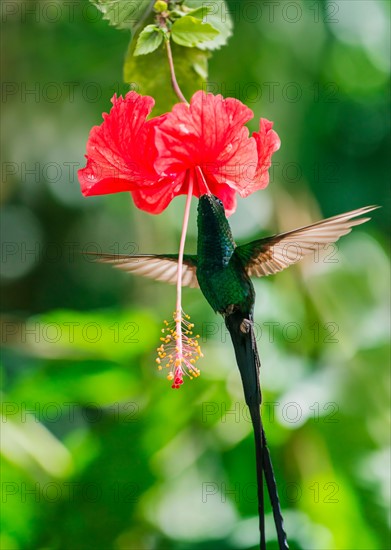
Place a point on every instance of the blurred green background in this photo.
(97, 451)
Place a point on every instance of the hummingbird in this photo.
(222, 270)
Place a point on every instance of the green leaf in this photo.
(200, 64)
(148, 40)
(190, 32)
(200, 12)
(124, 14)
(150, 75)
(219, 17)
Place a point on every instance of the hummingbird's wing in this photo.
(273, 254)
(159, 267)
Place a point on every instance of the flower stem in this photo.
(174, 81)
(178, 316)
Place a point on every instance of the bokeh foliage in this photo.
(115, 457)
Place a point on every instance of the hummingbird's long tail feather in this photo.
(273, 495)
(243, 339)
(242, 336)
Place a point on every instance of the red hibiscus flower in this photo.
(205, 143)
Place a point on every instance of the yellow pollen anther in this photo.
(179, 349)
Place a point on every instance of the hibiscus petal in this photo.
(96, 181)
(155, 198)
(227, 195)
(268, 143)
(120, 154)
(210, 134)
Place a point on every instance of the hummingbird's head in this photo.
(210, 207)
(215, 243)
(211, 221)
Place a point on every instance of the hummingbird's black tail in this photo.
(243, 339)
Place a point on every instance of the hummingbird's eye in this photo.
(210, 203)
(219, 202)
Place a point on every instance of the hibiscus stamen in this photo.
(180, 349)
(178, 314)
(201, 174)
(180, 363)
